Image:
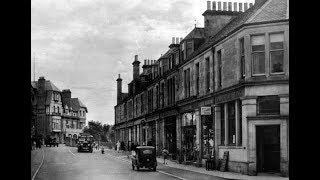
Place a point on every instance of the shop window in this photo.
(208, 136)
(276, 52)
(258, 54)
(268, 105)
(222, 125)
(231, 123)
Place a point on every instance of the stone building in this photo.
(57, 114)
(224, 87)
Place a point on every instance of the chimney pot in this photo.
(145, 63)
(172, 40)
(229, 6)
(177, 40)
(214, 6)
(251, 4)
(119, 76)
(245, 6)
(208, 5)
(181, 39)
(135, 57)
(240, 7)
(219, 6)
(224, 6)
(235, 7)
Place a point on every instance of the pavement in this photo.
(202, 170)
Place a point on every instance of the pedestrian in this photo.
(165, 153)
(133, 149)
(122, 146)
(118, 146)
(33, 144)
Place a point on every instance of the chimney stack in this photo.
(208, 5)
(119, 89)
(240, 7)
(214, 6)
(229, 6)
(224, 6)
(136, 67)
(41, 84)
(235, 6)
(245, 6)
(66, 94)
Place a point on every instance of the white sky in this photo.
(83, 45)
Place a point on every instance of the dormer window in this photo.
(189, 48)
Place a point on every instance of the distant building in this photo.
(57, 114)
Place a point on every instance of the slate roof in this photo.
(196, 33)
(258, 13)
(48, 85)
(73, 103)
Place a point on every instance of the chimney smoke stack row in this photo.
(229, 6)
(224, 6)
(214, 6)
(245, 6)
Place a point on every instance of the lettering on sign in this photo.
(205, 110)
(229, 96)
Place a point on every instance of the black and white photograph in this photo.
(159, 89)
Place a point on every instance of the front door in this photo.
(268, 148)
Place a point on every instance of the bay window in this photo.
(276, 52)
(258, 54)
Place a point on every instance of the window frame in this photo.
(258, 105)
(283, 50)
(254, 52)
(242, 58)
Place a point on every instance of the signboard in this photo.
(229, 96)
(205, 110)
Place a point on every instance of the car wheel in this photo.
(132, 167)
(138, 168)
(155, 168)
(78, 150)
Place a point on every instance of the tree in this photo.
(100, 132)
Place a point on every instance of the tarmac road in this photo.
(65, 163)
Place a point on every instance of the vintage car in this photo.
(51, 142)
(85, 143)
(145, 157)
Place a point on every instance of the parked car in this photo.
(145, 157)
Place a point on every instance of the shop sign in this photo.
(229, 96)
(205, 110)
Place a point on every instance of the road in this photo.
(65, 163)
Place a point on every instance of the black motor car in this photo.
(145, 157)
(51, 142)
(85, 143)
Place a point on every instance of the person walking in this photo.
(165, 153)
(118, 146)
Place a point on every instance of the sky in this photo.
(83, 45)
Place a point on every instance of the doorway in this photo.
(268, 148)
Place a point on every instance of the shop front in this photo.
(189, 136)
